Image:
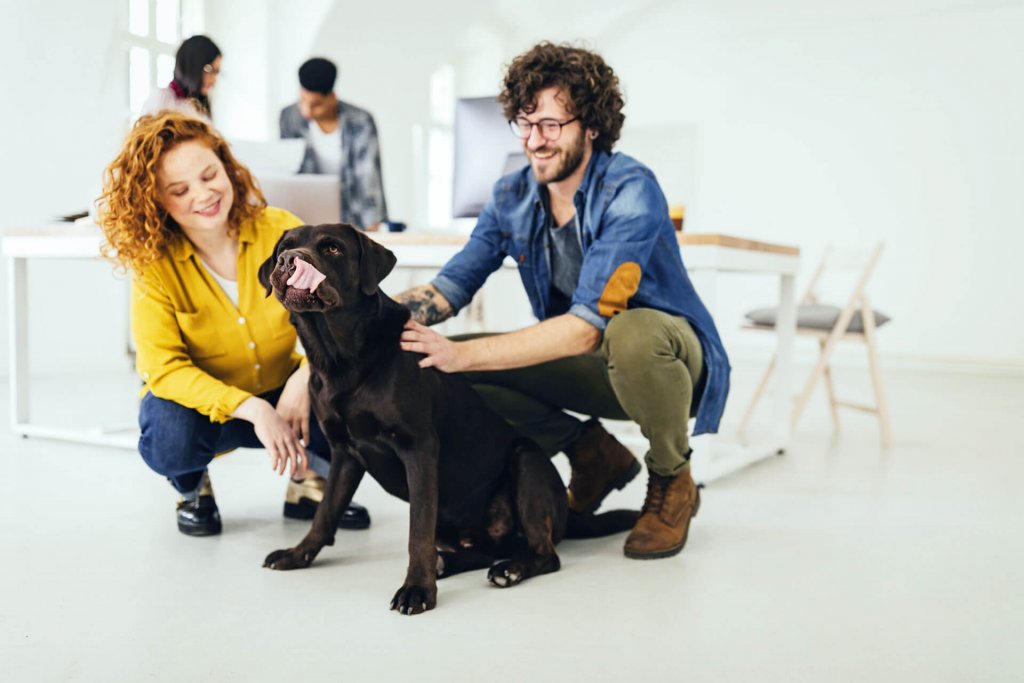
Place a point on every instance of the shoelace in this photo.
(656, 489)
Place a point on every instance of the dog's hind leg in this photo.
(535, 556)
(451, 562)
(342, 481)
(541, 508)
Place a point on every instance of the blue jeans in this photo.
(179, 442)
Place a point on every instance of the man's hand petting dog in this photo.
(440, 351)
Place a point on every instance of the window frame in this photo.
(189, 20)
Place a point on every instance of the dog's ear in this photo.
(268, 266)
(375, 262)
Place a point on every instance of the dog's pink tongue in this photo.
(305, 276)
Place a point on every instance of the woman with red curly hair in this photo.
(216, 356)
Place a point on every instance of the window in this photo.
(155, 29)
(440, 147)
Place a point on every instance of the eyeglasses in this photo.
(549, 129)
(210, 69)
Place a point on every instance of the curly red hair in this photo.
(136, 227)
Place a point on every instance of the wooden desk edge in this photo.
(735, 243)
(712, 239)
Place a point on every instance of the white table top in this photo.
(421, 248)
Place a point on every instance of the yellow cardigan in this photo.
(194, 346)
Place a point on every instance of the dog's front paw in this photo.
(505, 574)
(412, 599)
(290, 558)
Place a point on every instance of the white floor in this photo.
(836, 562)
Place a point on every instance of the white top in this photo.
(327, 147)
(164, 98)
(230, 287)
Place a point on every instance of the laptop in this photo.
(313, 198)
(272, 157)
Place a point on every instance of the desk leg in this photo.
(785, 330)
(17, 287)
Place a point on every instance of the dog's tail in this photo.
(605, 524)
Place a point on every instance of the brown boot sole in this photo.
(667, 552)
(619, 484)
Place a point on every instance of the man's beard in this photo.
(570, 162)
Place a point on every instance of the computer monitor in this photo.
(485, 150)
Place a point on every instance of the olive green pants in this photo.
(645, 371)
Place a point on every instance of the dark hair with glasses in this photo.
(595, 97)
(318, 75)
(192, 61)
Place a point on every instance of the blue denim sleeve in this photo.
(627, 232)
(581, 311)
(467, 271)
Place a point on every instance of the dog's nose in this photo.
(286, 259)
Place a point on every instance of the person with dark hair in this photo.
(196, 68)
(622, 333)
(340, 138)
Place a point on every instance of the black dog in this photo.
(475, 487)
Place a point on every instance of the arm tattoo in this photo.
(425, 304)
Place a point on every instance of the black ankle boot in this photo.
(200, 517)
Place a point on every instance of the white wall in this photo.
(794, 121)
(884, 123)
(241, 101)
(847, 123)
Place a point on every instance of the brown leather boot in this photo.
(665, 519)
(599, 464)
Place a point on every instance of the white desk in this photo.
(706, 256)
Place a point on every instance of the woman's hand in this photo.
(293, 405)
(276, 435)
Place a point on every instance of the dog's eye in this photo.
(332, 250)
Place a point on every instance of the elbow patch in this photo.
(620, 288)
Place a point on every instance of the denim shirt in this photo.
(630, 259)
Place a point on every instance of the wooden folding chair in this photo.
(863, 261)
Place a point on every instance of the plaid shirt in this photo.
(362, 188)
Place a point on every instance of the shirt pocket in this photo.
(203, 337)
(518, 250)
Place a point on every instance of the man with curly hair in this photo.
(622, 333)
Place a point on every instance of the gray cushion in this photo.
(816, 316)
